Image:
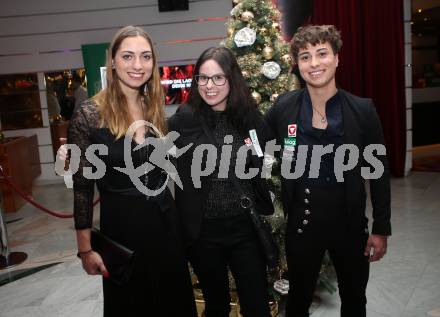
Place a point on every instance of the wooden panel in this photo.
(40, 62)
(183, 51)
(26, 7)
(20, 161)
(46, 35)
(72, 60)
(103, 19)
(74, 40)
(43, 134)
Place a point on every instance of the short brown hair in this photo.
(314, 34)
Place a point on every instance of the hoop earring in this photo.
(145, 89)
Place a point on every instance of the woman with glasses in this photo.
(221, 114)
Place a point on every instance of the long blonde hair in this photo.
(111, 101)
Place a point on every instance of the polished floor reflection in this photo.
(406, 283)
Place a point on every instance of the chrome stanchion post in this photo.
(7, 259)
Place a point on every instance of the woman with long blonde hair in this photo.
(159, 283)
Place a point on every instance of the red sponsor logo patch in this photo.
(291, 130)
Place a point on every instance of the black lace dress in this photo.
(160, 284)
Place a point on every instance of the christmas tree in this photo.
(254, 35)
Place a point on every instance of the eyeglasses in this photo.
(218, 80)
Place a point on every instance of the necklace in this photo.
(323, 118)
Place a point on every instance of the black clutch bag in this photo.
(118, 259)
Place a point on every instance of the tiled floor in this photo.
(406, 283)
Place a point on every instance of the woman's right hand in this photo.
(92, 263)
(62, 151)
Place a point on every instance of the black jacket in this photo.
(189, 201)
(362, 127)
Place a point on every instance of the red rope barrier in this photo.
(34, 203)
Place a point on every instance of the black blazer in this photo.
(362, 127)
(189, 200)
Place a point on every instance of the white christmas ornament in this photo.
(245, 37)
(281, 286)
(271, 70)
(235, 10)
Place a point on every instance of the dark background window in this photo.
(20, 106)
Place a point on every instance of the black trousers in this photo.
(318, 223)
(230, 242)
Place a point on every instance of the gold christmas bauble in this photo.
(287, 59)
(276, 25)
(247, 16)
(294, 83)
(267, 52)
(263, 31)
(274, 97)
(245, 73)
(257, 97)
(230, 31)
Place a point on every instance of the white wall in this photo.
(46, 35)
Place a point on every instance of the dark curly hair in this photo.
(314, 34)
(241, 109)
